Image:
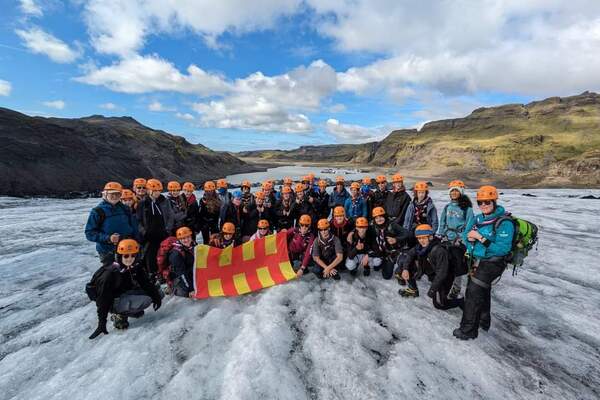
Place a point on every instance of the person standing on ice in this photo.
(489, 241)
(123, 288)
(453, 219)
(429, 257)
(178, 204)
(355, 206)
(109, 222)
(339, 195)
(232, 212)
(420, 211)
(181, 260)
(156, 219)
(358, 248)
(300, 241)
(192, 215)
(397, 200)
(321, 202)
(378, 197)
(139, 188)
(327, 252)
(223, 193)
(210, 208)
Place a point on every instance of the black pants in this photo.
(207, 230)
(150, 253)
(440, 298)
(478, 296)
(387, 268)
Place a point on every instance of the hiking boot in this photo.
(366, 271)
(119, 321)
(408, 292)
(459, 334)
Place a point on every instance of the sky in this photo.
(241, 75)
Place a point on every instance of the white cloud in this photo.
(40, 42)
(30, 7)
(58, 104)
(272, 103)
(5, 88)
(337, 108)
(144, 74)
(348, 133)
(121, 26)
(108, 106)
(185, 116)
(159, 107)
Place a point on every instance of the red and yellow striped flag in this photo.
(237, 270)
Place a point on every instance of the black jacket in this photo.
(285, 214)
(181, 260)
(251, 217)
(356, 239)
(321, 204)
(156, 219)
(210, 209)
(115, 279)
(378, 243)
(434, 264)
(395, 205)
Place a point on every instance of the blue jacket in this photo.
(453, 220)
(338, 199)
(117, 219)
(355, 209)
(409, 218)
(500, 242)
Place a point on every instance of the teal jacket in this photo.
(500, 242)
(453, 221)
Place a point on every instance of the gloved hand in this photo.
(431, 293)
(100, 329)
(157, 303)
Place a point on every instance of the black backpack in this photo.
(90, 287)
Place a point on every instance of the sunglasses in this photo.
(128, 255)
(140, 187)
(304, 226)
(484, 202)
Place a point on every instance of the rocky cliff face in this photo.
(553, 142)
(54, 156)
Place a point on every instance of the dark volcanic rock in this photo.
(55, 156)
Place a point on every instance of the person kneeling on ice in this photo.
(225, 238)
(387, 239)
(300, 241)
(429, 258)
(327, 252)
(358, 248)
(488, 238)
(109, 222)
(262, 230)
(122, 288)
(181, 260)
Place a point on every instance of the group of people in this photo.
(144, 238)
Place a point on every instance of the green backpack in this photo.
(525, 237)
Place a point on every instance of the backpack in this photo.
(91, 287)
(524, 238)
(162, 257)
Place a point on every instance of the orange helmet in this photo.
(423, 230)
(183, 232)
(228, 227)
(487, 193)
(287, 180)
(339, 179)
(397, 178)
(173, 185)
(113, 187)
(285, 189)
(355, 185)
(267, 185)
(154, 184)
(311, 175)
(128, 246)
(456, 183)
(366, 180)
(305, 178)
(381, 179)
(261, 195)
(378, 212)
(222, 184)
(323, 224)
(362, 222)
(421, 186)
(189, 186)
(305, 220)
(339, 212)
(246, 183)
(299, 187)
(263, 224)
(209, 186)
(322, 183)
(127, 194)
(139, 182)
